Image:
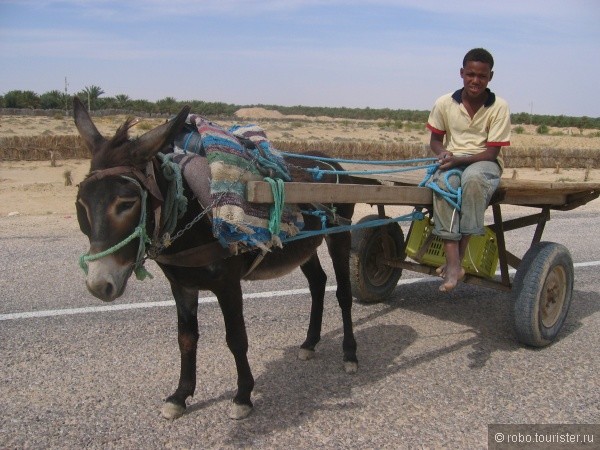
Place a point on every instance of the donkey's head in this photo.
(111, 200)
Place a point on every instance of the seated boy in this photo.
(476, 125)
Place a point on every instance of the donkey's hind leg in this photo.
(339, 245)
(317, 279)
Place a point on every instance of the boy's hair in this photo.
(479, 55)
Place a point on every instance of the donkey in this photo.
(109, 208)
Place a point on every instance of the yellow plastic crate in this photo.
(481, 257)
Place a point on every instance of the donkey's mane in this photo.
(116, 151)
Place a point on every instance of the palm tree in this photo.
(167, 104)
(122, 100)
(91, 93)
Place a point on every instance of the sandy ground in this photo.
(37, 189)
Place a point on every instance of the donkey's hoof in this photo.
(238, 412)
(172, 411)
(350, 366)
(304, 354)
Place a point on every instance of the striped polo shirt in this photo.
(490, 127)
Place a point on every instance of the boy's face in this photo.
(476, 75)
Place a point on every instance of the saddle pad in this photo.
(237, 223)
(196, 172)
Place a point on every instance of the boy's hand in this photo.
(446, 160)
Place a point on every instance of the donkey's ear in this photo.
(152, 142)
(87, 130)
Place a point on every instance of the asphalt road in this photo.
(435, 369)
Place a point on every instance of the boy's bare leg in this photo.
(453, 271)
(462, 248)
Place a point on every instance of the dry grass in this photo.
(27, 139)
(39, 148)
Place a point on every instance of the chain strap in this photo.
(166, 240)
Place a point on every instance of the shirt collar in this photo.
(491, 98)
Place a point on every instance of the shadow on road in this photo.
(487, 312)
(289, 392)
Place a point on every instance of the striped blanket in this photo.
(235, 157)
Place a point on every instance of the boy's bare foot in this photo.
(441, 271)
(451, 279)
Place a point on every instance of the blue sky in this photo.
(371, 53)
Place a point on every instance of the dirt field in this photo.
(281, 128)
(36, 188)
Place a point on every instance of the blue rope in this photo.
(358, 161)
(187, 142)
(318, 173)
(322, 215)
(451, 195)
(269, 162)
(430, 171)
(415, 215)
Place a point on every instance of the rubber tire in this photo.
(373, 282)
(545, 274)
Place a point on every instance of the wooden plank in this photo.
(543, 198)
(556, 194)
(260, 192)
(534, 187)
(414, 177)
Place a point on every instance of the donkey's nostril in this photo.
(105, 290)
(109, 289)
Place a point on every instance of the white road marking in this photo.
(202, 300)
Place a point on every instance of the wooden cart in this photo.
(543, 284)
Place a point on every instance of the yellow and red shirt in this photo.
(489, 127)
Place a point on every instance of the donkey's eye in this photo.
(125, 205)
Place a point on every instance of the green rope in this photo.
(140, 232)
(276, 209)
(175, 204)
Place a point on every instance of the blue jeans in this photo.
(478, 181)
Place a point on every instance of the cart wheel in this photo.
(372, 280)
(543, 287)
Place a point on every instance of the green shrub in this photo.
(414, 126)
(519, 130)
(542, 129)
(391, 125)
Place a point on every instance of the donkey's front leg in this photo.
(231, 303)
(187, 336)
